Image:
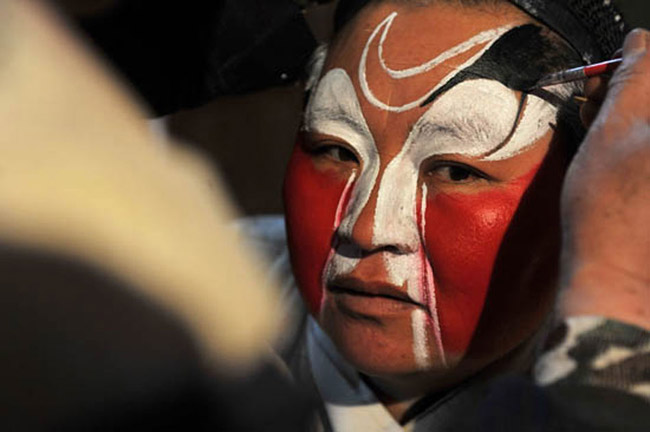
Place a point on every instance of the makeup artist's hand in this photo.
(606, 200)
(595, 92)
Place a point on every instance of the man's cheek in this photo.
(311, 198)
(463, 236)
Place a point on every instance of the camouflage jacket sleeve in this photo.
(594, 351)
(594, 377)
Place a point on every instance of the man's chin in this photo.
(382, 346)
(402, 378)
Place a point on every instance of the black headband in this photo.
(594, 28)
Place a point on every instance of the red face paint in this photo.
(311, 199)
(462, 238)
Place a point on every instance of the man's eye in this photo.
(338, 153)
(455, 173)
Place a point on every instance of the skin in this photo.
(605, 201)
(492, 238)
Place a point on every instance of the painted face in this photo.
(404, 220)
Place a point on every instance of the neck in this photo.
(400, 393)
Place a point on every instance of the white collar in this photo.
(351, 405)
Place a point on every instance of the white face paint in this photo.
(334, 110)
(454, 124)
(341, 209)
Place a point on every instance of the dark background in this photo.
(250, 137)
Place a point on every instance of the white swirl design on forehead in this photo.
(489, 36)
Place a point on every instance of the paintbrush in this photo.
(579, 73)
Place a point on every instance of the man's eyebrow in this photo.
(338, 115)
(515, 60)
(335, 109)
(427, 128)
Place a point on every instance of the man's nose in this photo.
(386, 223)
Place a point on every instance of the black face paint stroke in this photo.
(518, 59)
(520, 111)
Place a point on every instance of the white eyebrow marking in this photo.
(456, 124)
(334, 110)
(489, 36)
(535, 122)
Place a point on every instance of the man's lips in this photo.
(353, 286)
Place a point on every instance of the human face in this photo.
(401, 217)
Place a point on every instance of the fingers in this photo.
(595, 92)
(636, 42)
(596, 88)
(625, 94)
(636, 46)
(636, 60)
